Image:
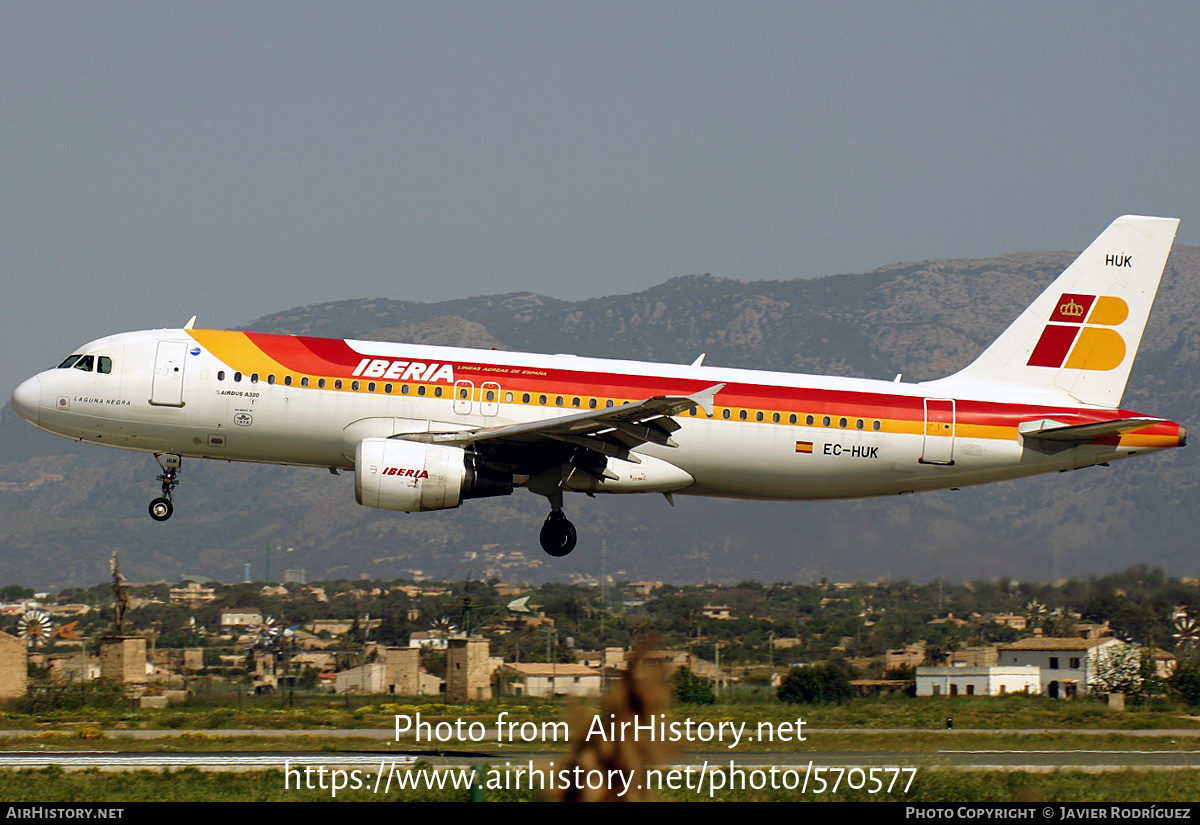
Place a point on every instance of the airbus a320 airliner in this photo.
(424, 428)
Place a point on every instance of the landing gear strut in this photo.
(558, 534)
(162, 508)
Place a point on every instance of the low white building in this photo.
(1068, 666)
(978, 681)
(381, 677)
(549, 680)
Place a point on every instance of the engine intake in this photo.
(394, 474)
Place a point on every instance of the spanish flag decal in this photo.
(804, 446)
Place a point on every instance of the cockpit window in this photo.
(66, 365)
(104, 365)
(85, 363)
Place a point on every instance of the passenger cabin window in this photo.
(220, 375)
(304, 381)
(437, 391)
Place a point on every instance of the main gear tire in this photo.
(558, 535)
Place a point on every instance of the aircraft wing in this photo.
(1050, 430)
(610, 431)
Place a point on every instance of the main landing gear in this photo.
(162, 508)
(558, 534)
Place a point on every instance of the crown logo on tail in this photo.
(1071, 309)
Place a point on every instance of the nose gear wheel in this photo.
(162, 508)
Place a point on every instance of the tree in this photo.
(1126, 669)
(1186, 682)
(692, 689)
(818, 684)
(14, 593)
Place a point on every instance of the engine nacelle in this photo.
(394, 474)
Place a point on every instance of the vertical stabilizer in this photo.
(1077, 341)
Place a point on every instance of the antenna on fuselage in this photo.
(191, 323)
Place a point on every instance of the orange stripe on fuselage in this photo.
(267, 354)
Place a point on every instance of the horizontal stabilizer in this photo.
(1049, 430)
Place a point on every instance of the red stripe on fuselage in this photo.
(335, 358)
(310, 356)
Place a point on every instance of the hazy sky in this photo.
(228, 160)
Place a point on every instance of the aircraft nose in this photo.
(26, 400)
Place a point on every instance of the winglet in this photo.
(191, 323)
(706, 398)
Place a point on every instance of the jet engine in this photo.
(394, 474)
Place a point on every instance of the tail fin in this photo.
(1077, 341)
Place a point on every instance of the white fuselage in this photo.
(239, 397)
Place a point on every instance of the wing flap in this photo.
(631, 425)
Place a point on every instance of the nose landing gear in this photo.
(162, 508)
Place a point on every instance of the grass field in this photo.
(932, 785)
(325, 712)
(887, 725)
